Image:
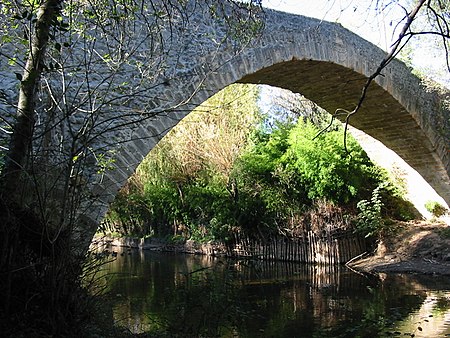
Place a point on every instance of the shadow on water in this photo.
(174, 295)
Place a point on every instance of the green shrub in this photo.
(370, 221)
(435, 208)
(326, 169)
(304, 168)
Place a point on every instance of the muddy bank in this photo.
(417, 247)
(410, 266)
(311, 248)
(154, 244)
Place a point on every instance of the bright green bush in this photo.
(435, 208)
(325, 169)
(304, 169)
(370, 220)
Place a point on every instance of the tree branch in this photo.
(397, 46)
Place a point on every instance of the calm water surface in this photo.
(174, 295)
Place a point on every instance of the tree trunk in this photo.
(21, 139)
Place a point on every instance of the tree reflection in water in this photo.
(195, 296)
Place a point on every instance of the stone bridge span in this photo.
(327, 64)
(323, 61)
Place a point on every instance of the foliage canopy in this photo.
(222, 170)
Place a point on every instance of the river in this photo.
(176, 295)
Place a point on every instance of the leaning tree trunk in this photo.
(20, 143)
(22, 135)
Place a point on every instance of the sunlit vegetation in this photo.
(225, 168)
(435, 208)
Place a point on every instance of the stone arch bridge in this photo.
(329, 65)
(324, 62)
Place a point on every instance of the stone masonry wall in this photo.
(323, 61)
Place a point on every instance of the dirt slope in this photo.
(418, 247)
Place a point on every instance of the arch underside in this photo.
(328, 65)
(332, 86)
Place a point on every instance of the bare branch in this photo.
(397, 46)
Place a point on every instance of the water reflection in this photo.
(196, 296)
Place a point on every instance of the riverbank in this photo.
(327, 247)
(155, 244)
(418, 247)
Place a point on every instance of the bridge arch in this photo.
(327, 64)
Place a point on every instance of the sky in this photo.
(377, 25)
